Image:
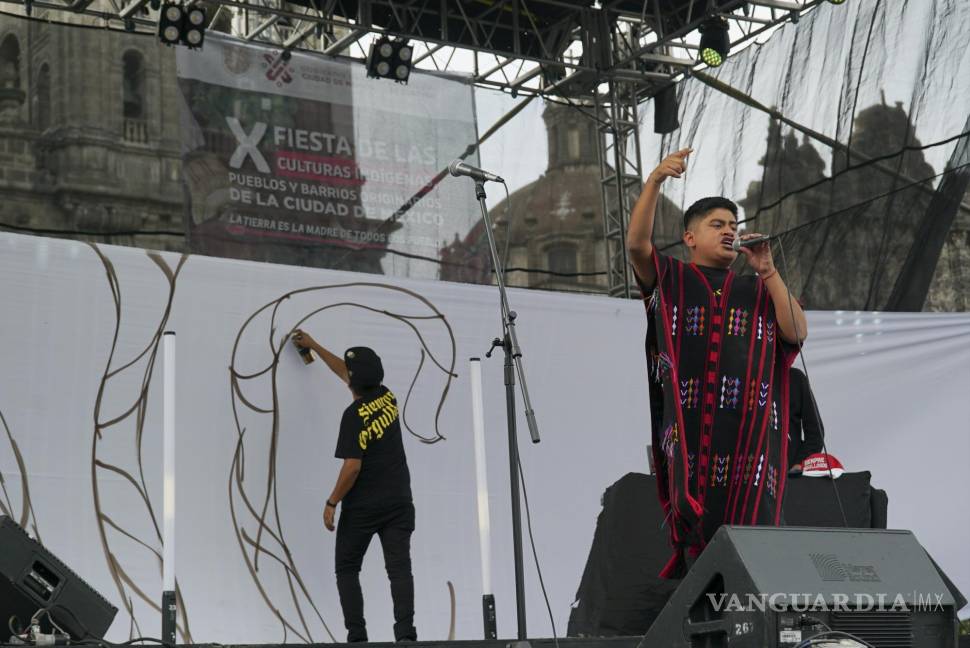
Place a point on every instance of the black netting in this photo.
(847, 132)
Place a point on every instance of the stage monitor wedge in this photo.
(777, 587)
(32, 578)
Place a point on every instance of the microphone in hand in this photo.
(739, 243)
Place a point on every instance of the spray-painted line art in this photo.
(27, 513)
(129, 425)
(254, 505)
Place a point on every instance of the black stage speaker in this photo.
(770, 587)
(31, 579)
(621, 593)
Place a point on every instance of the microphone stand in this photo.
(513, 367)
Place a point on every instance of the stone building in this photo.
(556, 225)
(89, 144)
(90, 149)
(950, 290)
(854, 259)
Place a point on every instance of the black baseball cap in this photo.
(364, 367)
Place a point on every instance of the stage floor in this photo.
(572, 642)
(564, 642)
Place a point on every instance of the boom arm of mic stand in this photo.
(530, 415)
(508, 316)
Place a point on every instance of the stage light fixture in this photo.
(715, 42)
(379, 58)
(178, 24)
(194, 27)
(837, 2)
(170, 23)
(390, 59)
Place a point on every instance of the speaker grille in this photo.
(882, 629)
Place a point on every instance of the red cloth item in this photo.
(822, 465)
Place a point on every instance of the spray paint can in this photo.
(305, 354)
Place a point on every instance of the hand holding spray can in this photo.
(305, 354)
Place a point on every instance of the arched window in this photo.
(574, 144)
(133, 84)
(133, 97)
(42, 98)
(553, 145)
(11, 94)
(10, 63)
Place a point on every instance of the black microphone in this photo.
(459, 168)
(738, 243)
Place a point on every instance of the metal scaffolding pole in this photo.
(620, 169)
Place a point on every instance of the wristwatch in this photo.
(329, 503)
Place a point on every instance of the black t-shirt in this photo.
(804, 428)
(715, 277)
(370, 431)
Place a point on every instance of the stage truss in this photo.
(605, 57)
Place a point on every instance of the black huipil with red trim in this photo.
(718, 402)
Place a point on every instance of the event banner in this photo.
(305, 160)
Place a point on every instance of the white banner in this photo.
(76, 381)
(305, 160)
